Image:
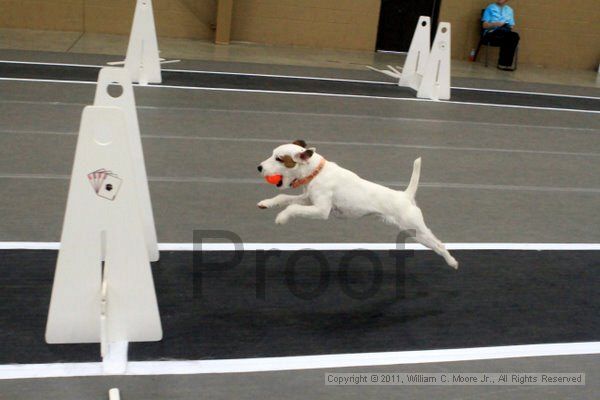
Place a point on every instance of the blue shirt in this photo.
(496, 13)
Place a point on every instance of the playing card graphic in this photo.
(106, 184)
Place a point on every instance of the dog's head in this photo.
(291, 161)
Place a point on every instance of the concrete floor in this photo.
(511, 168)
(489, 175)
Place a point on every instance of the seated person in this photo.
(498, 21)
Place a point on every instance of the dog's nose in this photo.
(259, 168)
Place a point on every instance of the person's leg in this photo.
(508, 45)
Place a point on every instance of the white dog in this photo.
(331, 189)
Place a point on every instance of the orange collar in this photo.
(303, 181)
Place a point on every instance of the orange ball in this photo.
(273, 179)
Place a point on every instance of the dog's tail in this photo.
(411, 190)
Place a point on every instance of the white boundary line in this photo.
(330, 246)
(332, 142)
(191, 71)
(311, 78)
(357, 96)
(24, 371)
(400, 184)
(525, 92)
(309, 114)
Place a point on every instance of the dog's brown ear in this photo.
(300, 143)
(306, 154)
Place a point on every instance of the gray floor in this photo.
(310, 384)
(489, 174)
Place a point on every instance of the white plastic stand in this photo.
(142, 59)
(436, 79)
(103, 289)
(418, 54)
(414, 66)
(421, 59)
(115, 77)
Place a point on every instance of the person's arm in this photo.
(488, 15)
(488, 25)
(511, 20)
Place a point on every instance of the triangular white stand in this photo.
(418, 53)
(436, 79)
(142, 59)
(118, 78)
(103, 288)
(421, 59)
(415, 62)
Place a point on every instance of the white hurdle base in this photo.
(114, 361)
(113, 394)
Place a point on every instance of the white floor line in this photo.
(54, 64)
(330, 361)
(330, 246)
(394, 184)
(335, 143)
(47, 81)
(326, 115)
(337, 95)
(191, 71)
(311, 78)
(576, 96)
(386, 145)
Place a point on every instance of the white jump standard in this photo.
(142, 60)
(426, 69)
(103, 289)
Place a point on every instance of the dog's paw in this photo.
(453, 263)
(282, 218)
(264, 205)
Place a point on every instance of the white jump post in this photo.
(115, 78)
(436, 79)
(421, 59)
(418, 53)
(103, 289)
(142, 60)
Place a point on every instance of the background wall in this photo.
(344, 24)
(174, 18)
(554, 33)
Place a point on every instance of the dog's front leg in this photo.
(283, 200)
(320, 209)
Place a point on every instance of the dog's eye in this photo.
(278, 159)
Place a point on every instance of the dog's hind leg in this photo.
(414, 220)
(426, 238)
